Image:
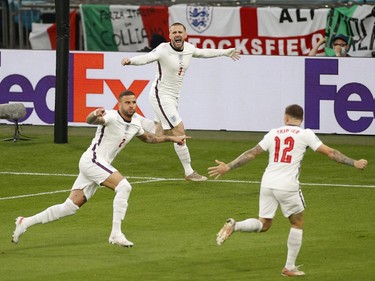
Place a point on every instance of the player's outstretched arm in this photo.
(152, 138)
(218, 170)
(213, 53)
(245, 157)
(125, 61)
(234, 55)
(360, 164)
(341, 158)
(142, 59)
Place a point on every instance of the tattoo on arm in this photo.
(149, 138)
(341, 158)
(95, 120)
(91, 118)
(245, 157)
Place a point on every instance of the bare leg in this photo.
(182, 152)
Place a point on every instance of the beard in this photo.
(129, 114)
(126, 113)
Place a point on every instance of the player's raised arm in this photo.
(96, 117)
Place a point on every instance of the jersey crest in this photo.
(199, 18)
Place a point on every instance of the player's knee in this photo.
(69, 208)
(298, 225)
(120, 202)
(123, 187)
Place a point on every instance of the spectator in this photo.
(340, 45)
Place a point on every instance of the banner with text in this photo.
(257, 31)
(122, 28)
(336, 98)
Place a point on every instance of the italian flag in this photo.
(122, 27)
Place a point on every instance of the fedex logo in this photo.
(342, 100)
(82, 86)
(18, 88)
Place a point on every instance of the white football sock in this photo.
(52, 213)
(249, 225)
(120, 204)
(184, 156)
(294, 245)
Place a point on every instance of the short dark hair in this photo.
(294, 111)
(177, 23)
(126, 93)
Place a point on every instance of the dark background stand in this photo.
(17, 134)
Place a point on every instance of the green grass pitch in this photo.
(172, 222)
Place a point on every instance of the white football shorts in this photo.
(166, 111)
(91, 175)
(291, 202)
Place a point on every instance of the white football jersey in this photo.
(172, 65)
(286, 147)
(113, 136)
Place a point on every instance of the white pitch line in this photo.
(152, 179)
(32, 195)
(37, 174)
